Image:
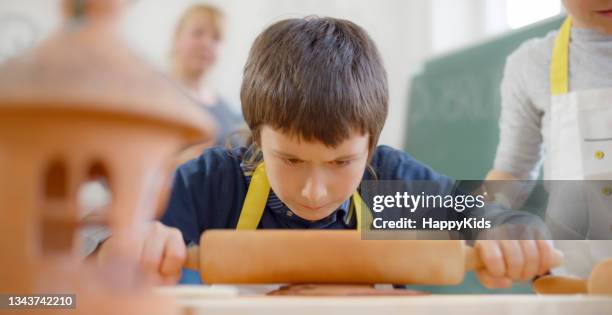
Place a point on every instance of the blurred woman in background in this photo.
(195, 48)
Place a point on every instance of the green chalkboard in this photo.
(454, 105)
(452, 122)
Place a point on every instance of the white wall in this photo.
(407, 32)
(23, 23)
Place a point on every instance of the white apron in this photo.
(580, 148)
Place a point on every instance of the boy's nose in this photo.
(315, 189)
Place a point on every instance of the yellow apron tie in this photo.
(257, 197)
(255, 201)
(560, 60)
(361, 211)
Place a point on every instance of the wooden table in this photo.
(430, 305)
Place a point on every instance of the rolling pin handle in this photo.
(193, 258)
(472, 259)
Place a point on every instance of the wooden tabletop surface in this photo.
(226, 301)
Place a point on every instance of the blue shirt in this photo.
(208, 192)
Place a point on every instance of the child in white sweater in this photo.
(553, 88)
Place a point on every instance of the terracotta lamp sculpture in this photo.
(82, 106)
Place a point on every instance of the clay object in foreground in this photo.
(77, 107)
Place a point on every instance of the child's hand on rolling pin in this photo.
(507, 261)
(162, 252)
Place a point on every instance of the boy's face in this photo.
(593, 14)
(312, 179)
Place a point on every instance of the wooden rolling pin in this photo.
(599, 282)
(324, 256)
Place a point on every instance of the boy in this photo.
(314, 95)
(556, 97)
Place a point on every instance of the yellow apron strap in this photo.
(361, 211)
(559, 63)
(255, 201)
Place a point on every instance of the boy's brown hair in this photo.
(317, 79)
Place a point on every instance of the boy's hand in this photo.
(507, 261)
(162, 252)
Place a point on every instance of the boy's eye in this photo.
(292, 161)
(340, 163)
